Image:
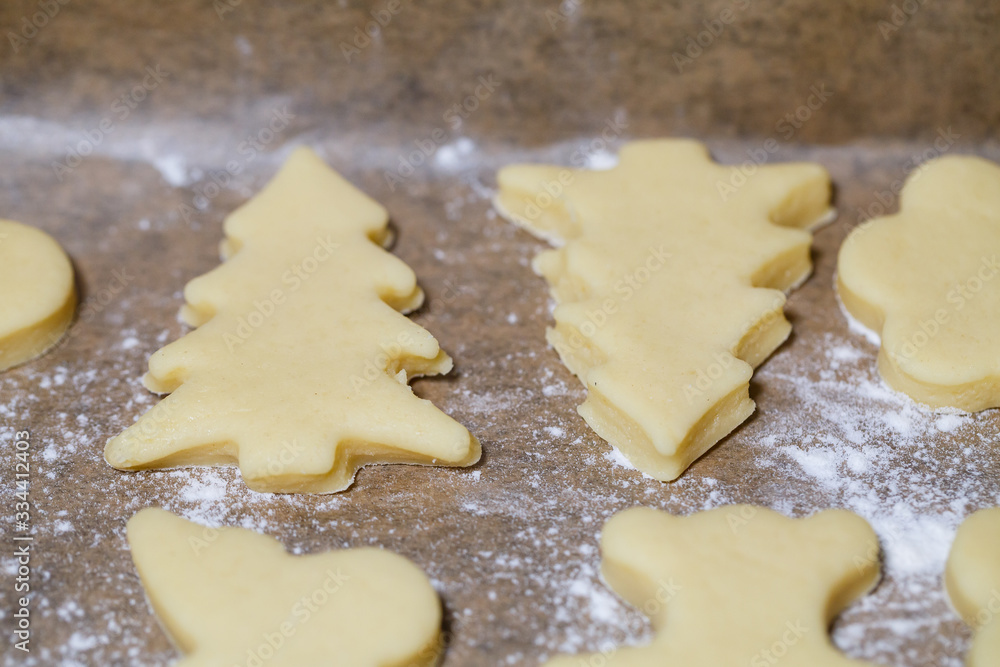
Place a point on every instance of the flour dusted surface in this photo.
(512, 544)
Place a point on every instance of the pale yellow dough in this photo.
(37, 293)
(926, 279)
(973, 581)
(735, 586)
(299, 368)
(231, 596)
(668, 288)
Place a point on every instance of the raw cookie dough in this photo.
(299, 368)
(37, 293)
(973, 582)
(669, 286)
(926, 280)
(736, 585)
(231, 596)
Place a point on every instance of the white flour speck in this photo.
(173, 168)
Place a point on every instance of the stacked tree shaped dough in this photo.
(299, 368)
(669, 286)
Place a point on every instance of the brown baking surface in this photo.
(511, 543)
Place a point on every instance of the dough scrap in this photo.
(972, 578)
(228, 596)
(735, 585)
(669, 288)
(37, 293)
(925, 280)
(298, 369)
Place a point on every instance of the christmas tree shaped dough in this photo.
(37, 293)
(669, 286)
(973, 582)
(299, 368)
(231, 596)
(736, 585)
(926, 280)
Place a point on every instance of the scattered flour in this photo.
(615, 456)
(173, 168)
(857, 328)
(948, 423)
(874, 451)
(455, 155)
(243, 45)
(847, 441)
(602, 160)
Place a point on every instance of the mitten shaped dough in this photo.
(230, 596)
